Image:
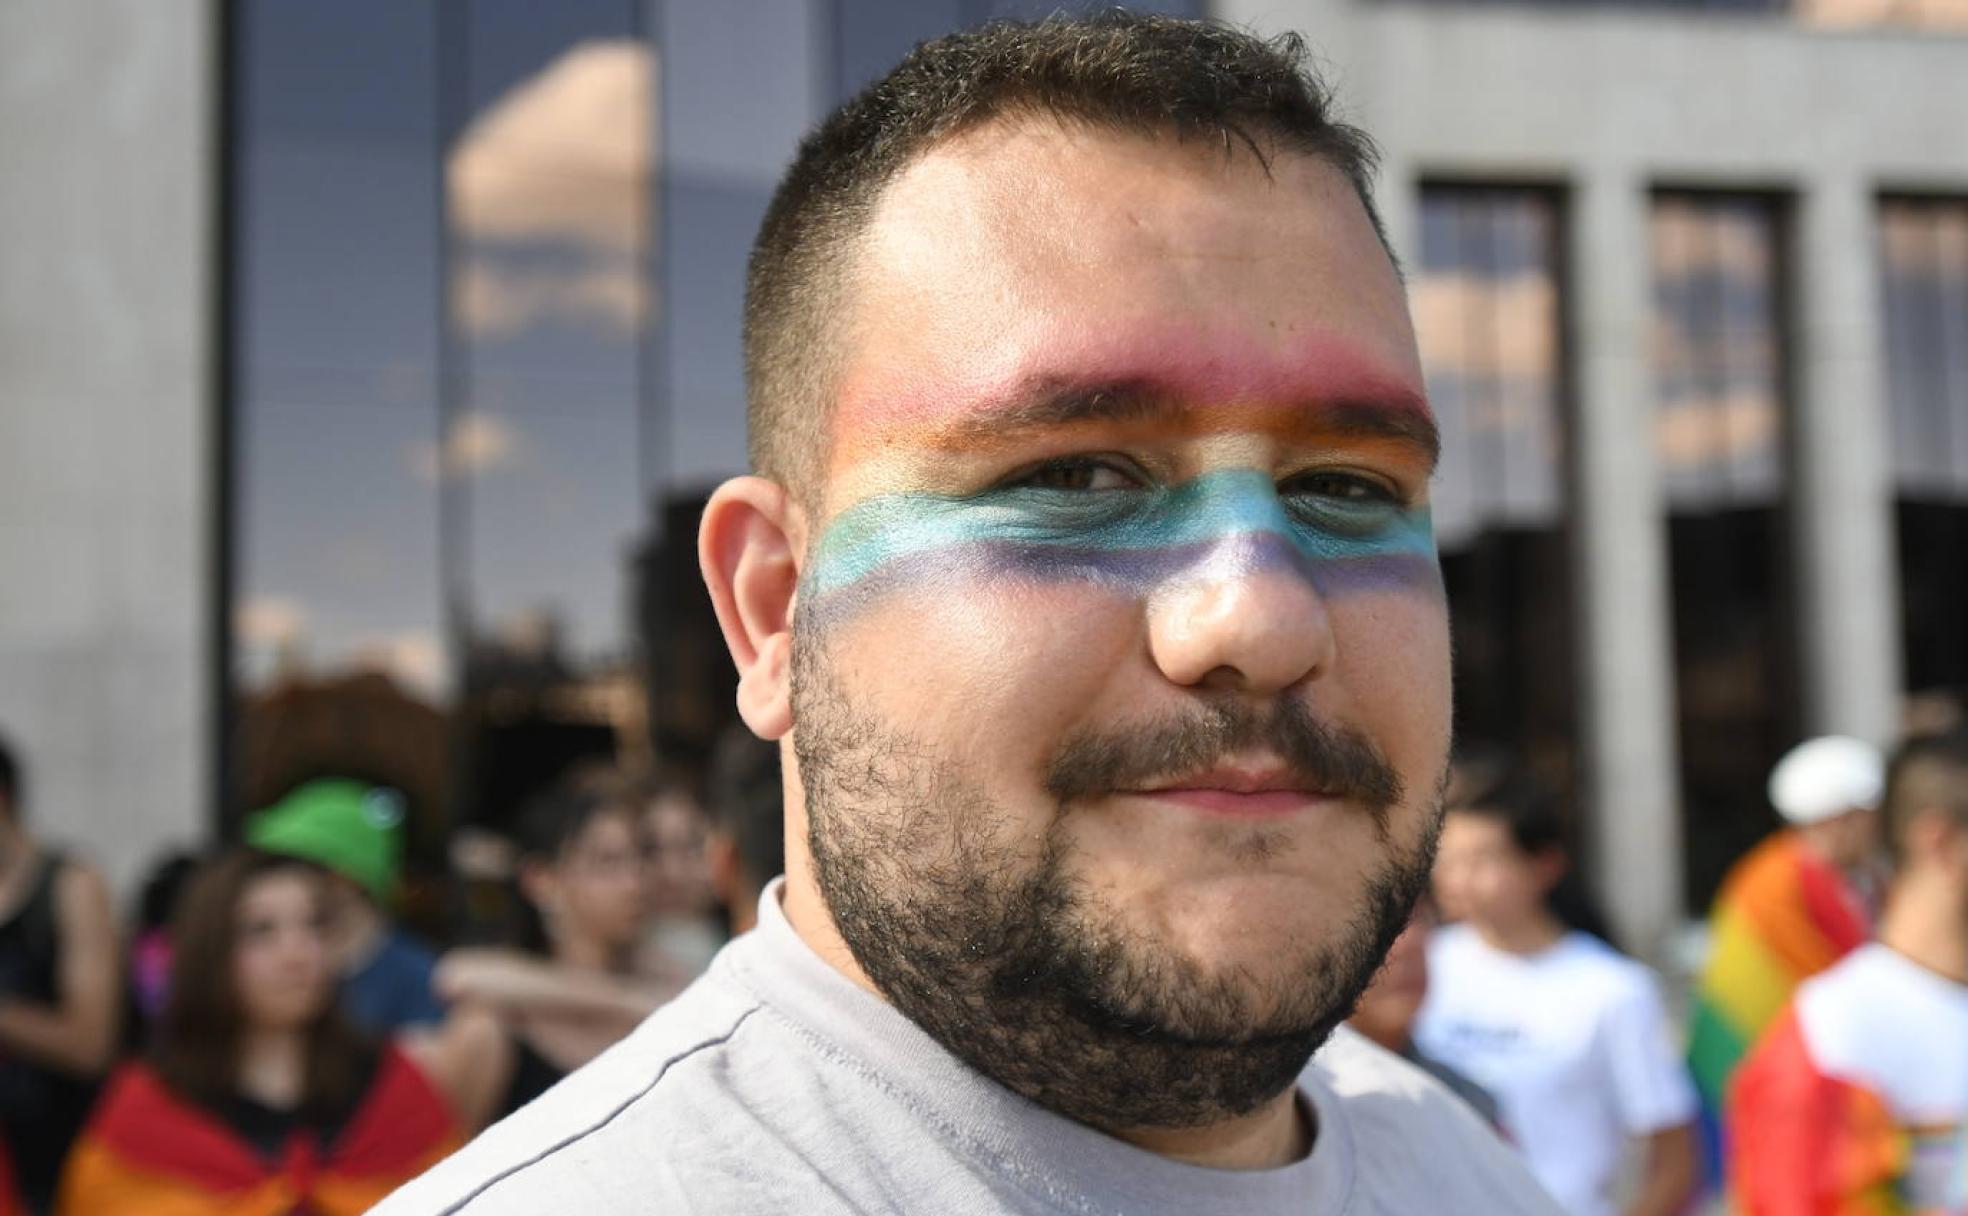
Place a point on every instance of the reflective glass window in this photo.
(1721, 384)
(1924, 270)
(1486, 300)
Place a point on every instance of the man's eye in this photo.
(1077, 473)
(1353, 489)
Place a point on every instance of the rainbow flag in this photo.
(1783, 916)
(147, 1152)
(1806, 1144)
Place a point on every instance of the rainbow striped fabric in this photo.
(1806, 1144)
(147, 1152)
(1783, 916)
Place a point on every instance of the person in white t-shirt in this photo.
(1566, 1033)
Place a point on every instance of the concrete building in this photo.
(1608, 104)
(394, 340)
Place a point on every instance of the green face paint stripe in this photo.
(1213, 507)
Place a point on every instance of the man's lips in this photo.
(1249, 792)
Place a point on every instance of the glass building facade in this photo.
(1720, 371)
(485, 266)
(1923, 260)
(483, 274)
(1487, 296)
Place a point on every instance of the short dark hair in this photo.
(1118, 71)
(1526, 807)
(1928, 773)
(1531, 810)
(12, 783)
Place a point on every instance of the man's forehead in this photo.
(1044, 197)
(1036, 254)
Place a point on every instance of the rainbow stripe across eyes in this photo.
(1130, 540)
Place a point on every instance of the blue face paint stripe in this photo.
(1134, 536)
(1127, 573)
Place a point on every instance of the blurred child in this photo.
(1566, 1033)
(258, 1097)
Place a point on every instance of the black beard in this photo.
(1012, 970)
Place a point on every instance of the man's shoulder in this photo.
(1413, 1141)
(606, 1138)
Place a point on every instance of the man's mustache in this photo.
(1334, 760)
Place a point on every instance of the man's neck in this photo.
(1276, 1134)
(806, 911)
(1926, 920)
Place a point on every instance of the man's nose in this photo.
(1247, 620)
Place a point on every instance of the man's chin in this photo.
(1222, 1005)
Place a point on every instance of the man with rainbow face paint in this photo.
(1087, 583)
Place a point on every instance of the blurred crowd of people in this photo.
(1821, 1068)
(265, 1037)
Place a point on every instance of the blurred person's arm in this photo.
(1670, 1173)
(469, 1058)
(77, 1034)
(515, 983)
(1654, 1096)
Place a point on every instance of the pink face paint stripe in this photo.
(1198, 369)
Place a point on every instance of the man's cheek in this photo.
(1394, 662)
(933, 644)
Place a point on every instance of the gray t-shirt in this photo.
(774, 1084)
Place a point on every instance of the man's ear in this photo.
(749, 548)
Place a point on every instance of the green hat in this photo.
(347, 826)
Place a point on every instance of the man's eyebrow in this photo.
(1055, 405)
(1052, 404)
(1405, 422)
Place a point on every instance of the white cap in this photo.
(1824, 777)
